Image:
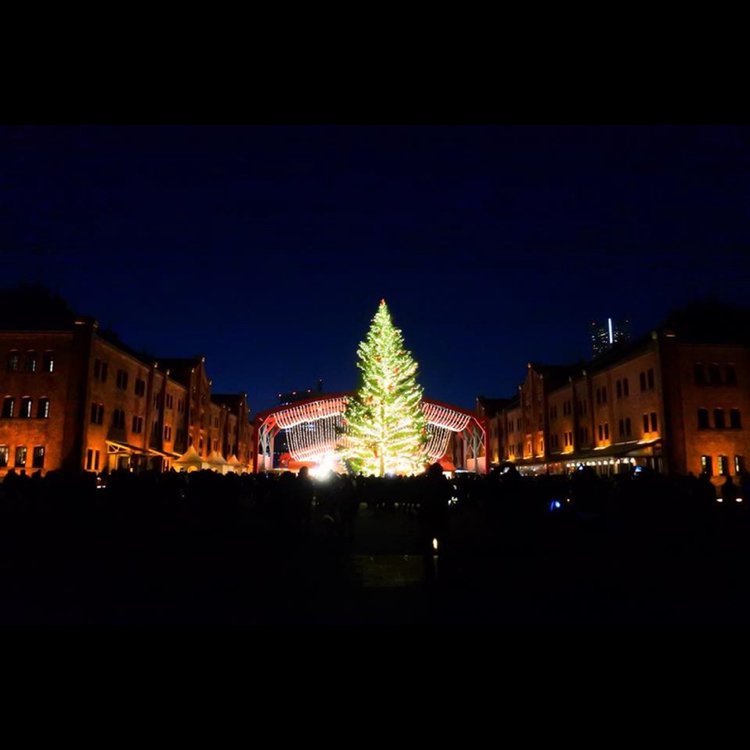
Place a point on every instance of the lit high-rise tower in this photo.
(605, 335)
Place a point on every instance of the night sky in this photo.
(268, 249)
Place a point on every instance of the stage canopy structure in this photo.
(315, 426)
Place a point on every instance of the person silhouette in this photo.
(729, 491)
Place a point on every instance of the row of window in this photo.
(647, 379)
(735, 421)
(118, 421)
(92, 460)
(707, 465)
(30, 361)
(27, 408)
(37, 461)
(711, 374)
(653, 420)
(100, 373)
(169, 400)
(216, 443)
(622, 388)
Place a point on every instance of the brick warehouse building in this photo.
(677, 399)
(77, 398)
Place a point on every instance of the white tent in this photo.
(190, 461)
(217, 462)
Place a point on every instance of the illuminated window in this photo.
(702, 419)
(31, 361)
(9, 406)
(707, 466)
(37, 460)
(723, 466)
(42, 411)
(731, 375)
(13, 361)
(21, 456)
(653, 421)
(719, 423)
(48, 362)
(699, 373)
(26, 404)
(4, 455)
(739, 464)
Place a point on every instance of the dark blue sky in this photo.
(267, 249)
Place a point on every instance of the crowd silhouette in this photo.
(202, 547)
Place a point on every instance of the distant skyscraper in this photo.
(605, 335)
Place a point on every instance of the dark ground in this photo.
(565, 568)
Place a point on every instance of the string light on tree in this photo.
(386, 426)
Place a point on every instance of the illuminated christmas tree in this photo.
(385, 426)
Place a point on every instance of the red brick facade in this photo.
(674, 405)
(74, 400)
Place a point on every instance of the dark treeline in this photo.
(202, 547)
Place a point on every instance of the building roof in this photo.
(227, 399)
(33, 307)
(180, 367)
(557, 375)
(492, 406)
